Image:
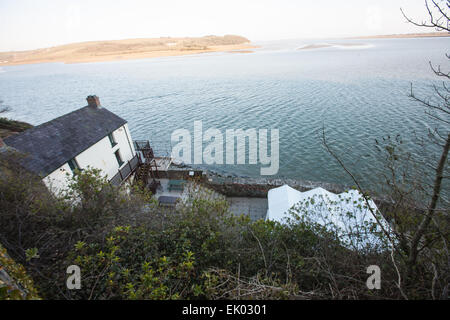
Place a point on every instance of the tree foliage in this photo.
(128, 247)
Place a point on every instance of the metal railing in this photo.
(141, 145)
(126, 171)
(144, 149)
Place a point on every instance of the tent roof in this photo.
(327, 207)
(283, 198)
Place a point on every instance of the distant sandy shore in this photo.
(327, 45)
(156, 54)
(392, 36)
(243, 51)
(409, 35)
(130, 49)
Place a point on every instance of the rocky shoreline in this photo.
(246, 186)
(230, 186)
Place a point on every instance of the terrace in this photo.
(153, 172)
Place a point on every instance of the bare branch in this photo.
(328, 148)
(434, 21)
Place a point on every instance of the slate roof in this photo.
(53, 143)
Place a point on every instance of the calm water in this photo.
(358, 93)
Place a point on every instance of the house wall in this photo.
(58, 179)
(100, 156)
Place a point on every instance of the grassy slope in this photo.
(8, 127)
(124, 49)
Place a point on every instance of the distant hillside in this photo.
(125, 49)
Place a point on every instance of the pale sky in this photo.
(31, 24)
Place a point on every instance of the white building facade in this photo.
(104, 155)
(88, 137)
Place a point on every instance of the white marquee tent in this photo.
(323, 207)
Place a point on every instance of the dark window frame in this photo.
(112, 140)
(73, 165)
(119, 158)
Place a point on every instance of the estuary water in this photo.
(356, 89)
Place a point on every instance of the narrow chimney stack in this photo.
(93, 101)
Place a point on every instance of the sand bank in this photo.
(99, 51)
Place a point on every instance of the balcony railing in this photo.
(143, 147)
(126, 171)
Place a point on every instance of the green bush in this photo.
(15, 283)
(128, 247)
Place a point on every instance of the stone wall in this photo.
(259, 187)
(245, 187)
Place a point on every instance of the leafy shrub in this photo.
(15, 283)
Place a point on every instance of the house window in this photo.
(112, 140)
(119, 158)
(73, 165)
